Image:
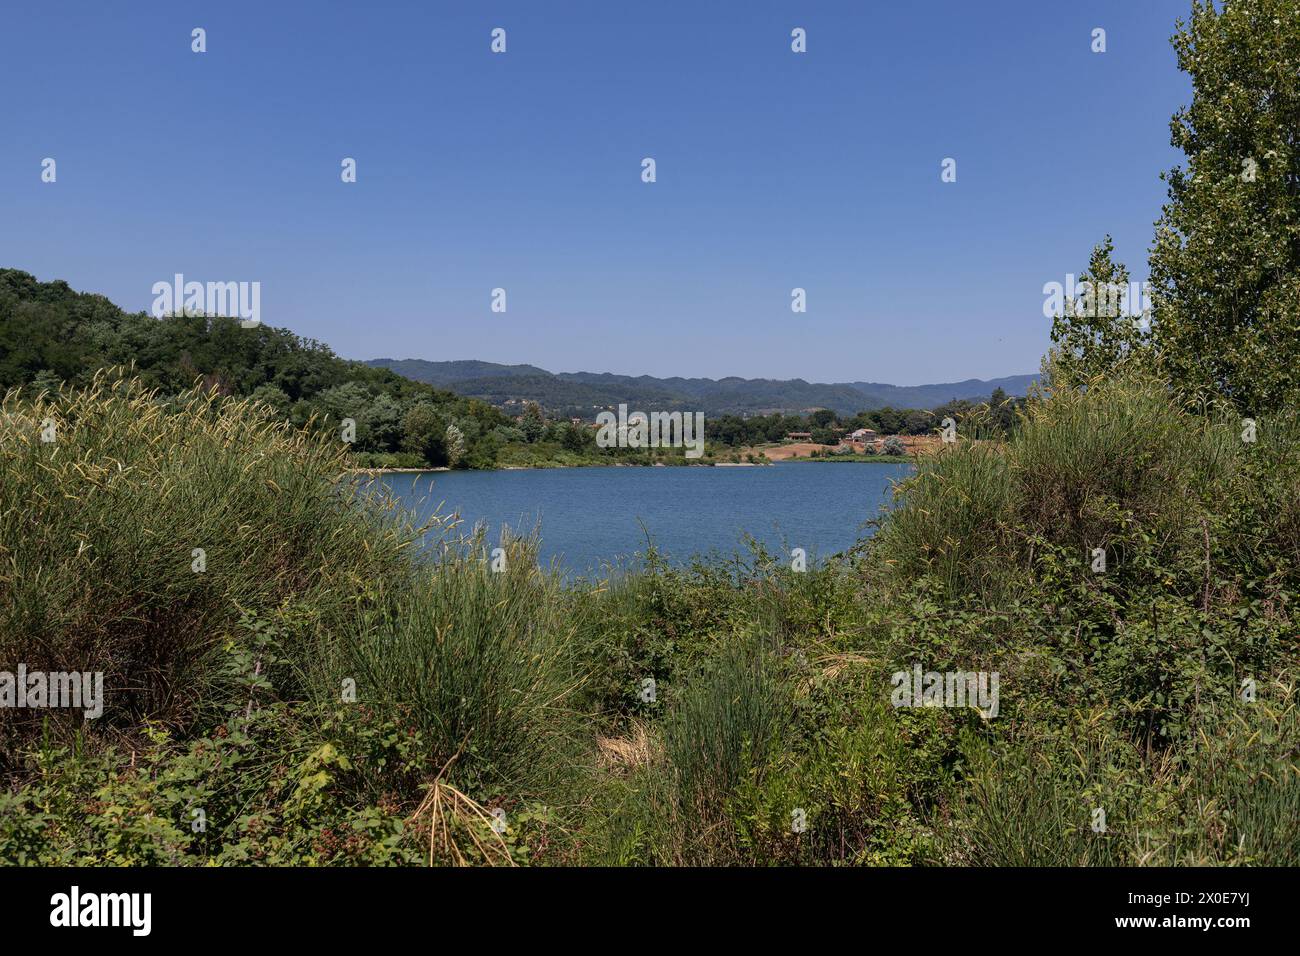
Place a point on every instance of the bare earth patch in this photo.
(913, 443)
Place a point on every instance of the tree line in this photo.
(995, 417)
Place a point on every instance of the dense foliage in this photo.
(1226, 260)
(50, 334)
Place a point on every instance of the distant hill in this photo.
(584, 393)
(445, 373)
(928, 396)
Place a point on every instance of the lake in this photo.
(590, 517)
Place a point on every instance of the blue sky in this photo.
(523, 171)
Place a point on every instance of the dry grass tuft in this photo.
(625, 754)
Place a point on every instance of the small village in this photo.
(861, 442)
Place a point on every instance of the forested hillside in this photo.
(50, 333)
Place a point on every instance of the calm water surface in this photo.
(590, 517)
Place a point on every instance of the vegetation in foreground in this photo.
(324, 693)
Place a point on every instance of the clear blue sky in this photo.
(522, 170)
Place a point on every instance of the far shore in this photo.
(848, 459)
(862, 459)
(397, 471)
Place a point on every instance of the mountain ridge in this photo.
(582, 393)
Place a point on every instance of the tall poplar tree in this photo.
(1225, 265)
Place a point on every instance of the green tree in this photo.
(919, 422)
(383, 419)
(455, 444)
(424, 433)
(1226, 261)
(1002, 411)
(532, 424)
(822, 418)
(575, 437)
(483, 454)
(889, 420)
(507, 434)
(349, 400)
(45, 381)
(1095, 332)
(273, 396)
(50, 333)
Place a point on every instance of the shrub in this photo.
(101, 531)
(481, 660)
(952, 521)
(717, 737)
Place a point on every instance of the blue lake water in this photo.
(591, 517)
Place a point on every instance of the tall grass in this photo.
(719, 734)
(1230, 796)
(99, 530)
(481, 660)
(953, 523)
(1117, 466)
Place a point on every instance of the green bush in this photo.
(1230, 796)
(100, 533)
(481, 659)
(717, 737)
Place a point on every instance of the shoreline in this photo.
(862, 459)
(396, 471)
(859, 460)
